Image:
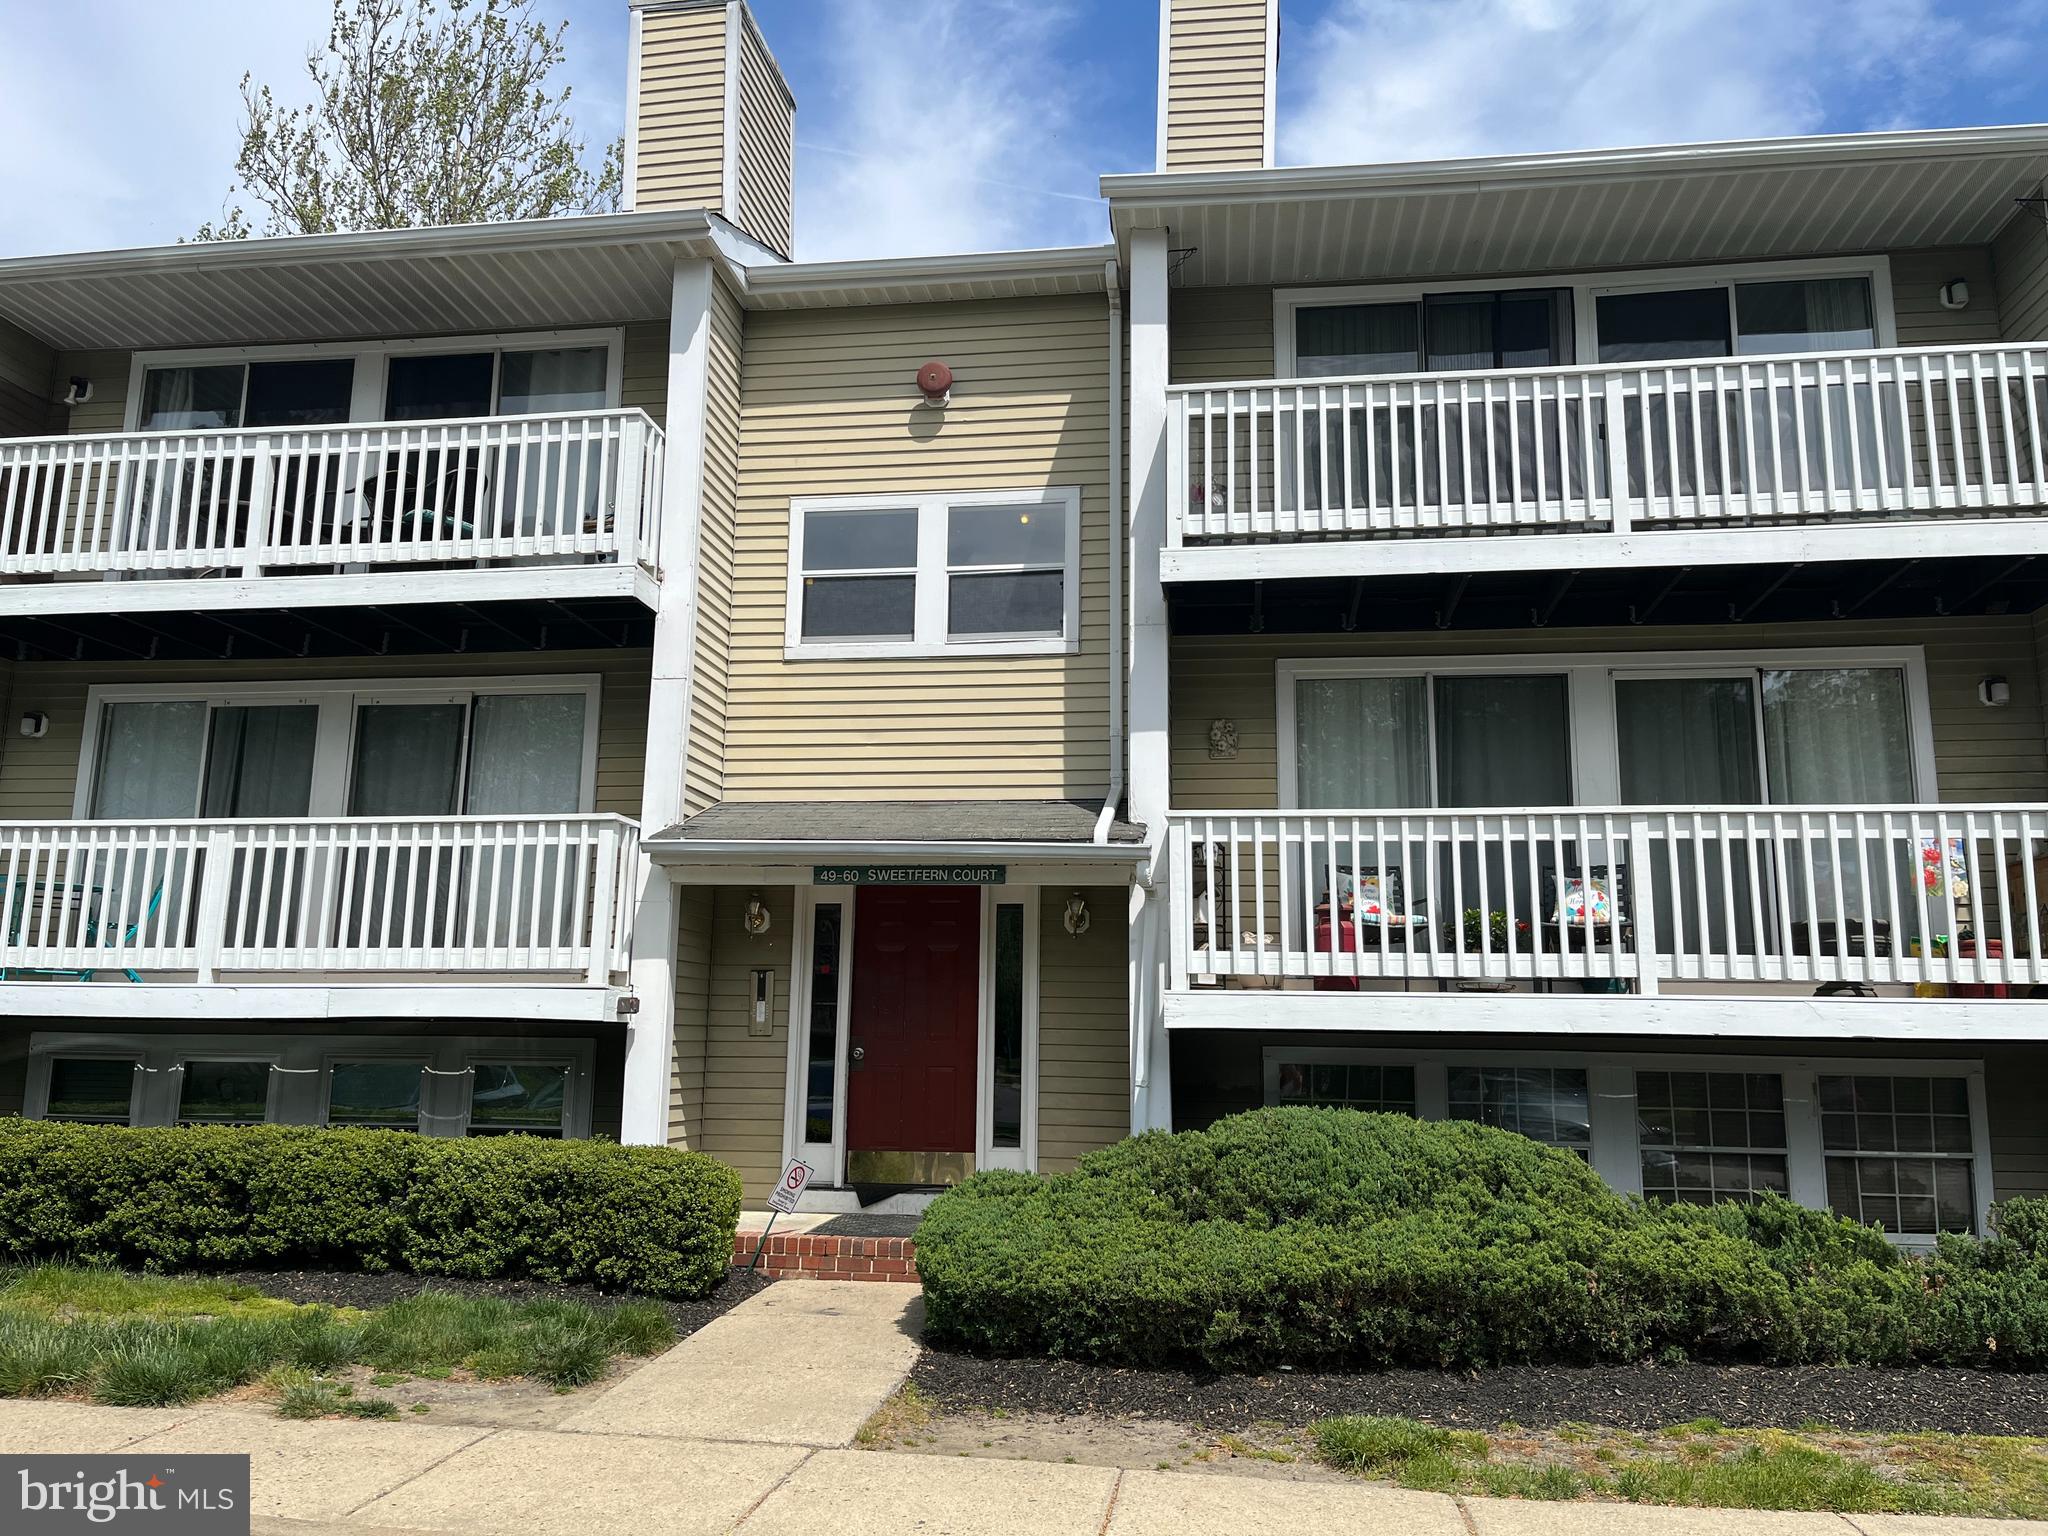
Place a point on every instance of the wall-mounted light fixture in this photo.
(1075, 918)
(1994, 693)
(757, 919)
(35, 723)
(1955, 294)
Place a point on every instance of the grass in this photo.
(140, 1340)
(1704, 1463)
(909, 1409)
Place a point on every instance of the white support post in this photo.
(1151, 1088)
(216, 871)
(650, 1032)
(1642, 898)
(1616, 428)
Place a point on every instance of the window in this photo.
(821, 1052)
(932, 575)
(1347, 1085)
(223, 1092)
(1007, 1057)
(375, 1094)
(1709, 1136)
(94, 1090)
(517, 1099)
(1900, 1152)
(1749, 319)
(212, 396)
(1439, 332)
(1463, 741)
(1546, 1104)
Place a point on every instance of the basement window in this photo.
(948, 573)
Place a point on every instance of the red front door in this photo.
(916, 986)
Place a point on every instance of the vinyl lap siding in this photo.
(704, 768)
(2020, 256)
(694, 910)
(767, 145)
(829, 408)
(1216, 85)
(643, 369)
(744, 1075)
(1083, 1028)
(1917, 277)
(28, 374)
(1980, 754)
(1220, 335)
(681, 155)
(38, 776)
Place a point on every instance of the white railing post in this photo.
(1642, 886)
(604, 890)
(216, 875)
(1616, 425)
(1177, 492)
(626, 490)
(1180, 926)
(256, 524)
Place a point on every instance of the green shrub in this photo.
(1336, 1239)
(647, 1219)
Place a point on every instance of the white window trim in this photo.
(929, 637)
(1585, 288)
(1590, 675)
(1023, 1157)
(176, 1096)
(303, 1063)
(334, 740)
(371, 358)
(1610, 1083)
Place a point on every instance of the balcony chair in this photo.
(88, 938)
(1589, 909)
(1370, 910)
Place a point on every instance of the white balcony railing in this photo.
(565, 488)
(1903, 895)
(463, 896)
(1642, 446)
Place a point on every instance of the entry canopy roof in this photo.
(1748, 199)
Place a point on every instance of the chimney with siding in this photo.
(1218, 60)
(711, 122)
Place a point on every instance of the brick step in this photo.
(830, 1256)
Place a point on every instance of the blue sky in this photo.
(934, 125)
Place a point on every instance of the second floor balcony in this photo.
(1424, 465)
(575, 492)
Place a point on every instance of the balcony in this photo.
(550, 506)
(1693, 907)
(156, 911)
(1611, 465)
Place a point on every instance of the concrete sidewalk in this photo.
(745, 1427)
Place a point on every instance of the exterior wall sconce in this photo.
(1955, 294)
(1994, 693)
(1075, 918)
(35, 723)
(757, 919)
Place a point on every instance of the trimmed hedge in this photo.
(644, 1219)
(1330, 1238)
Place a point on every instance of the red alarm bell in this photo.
(935, 381)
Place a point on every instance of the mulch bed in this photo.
(1622, 1397)
(339, 1288)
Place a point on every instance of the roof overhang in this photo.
(524, 275)
(1742, 200)
(677, 850)
(929, 279)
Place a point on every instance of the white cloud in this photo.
(947, 126)
(1420, 79)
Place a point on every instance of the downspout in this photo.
(1112, 280)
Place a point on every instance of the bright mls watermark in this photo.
(160, 1495)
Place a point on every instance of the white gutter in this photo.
(1484, 172)
(1113, 285)
(795, 851)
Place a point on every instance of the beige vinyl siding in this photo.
(1917, 277)
(28, 376)
(1220, 335)
(107, 410)
(2020, 258)
(1083, 1028)
(643, 369)
(38, 776)
(704, 768)
(744, 1075)
(766, 153)
(1216, 85)
(694, 909)
(829, 407)
(681, 154)
(1980, 754)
